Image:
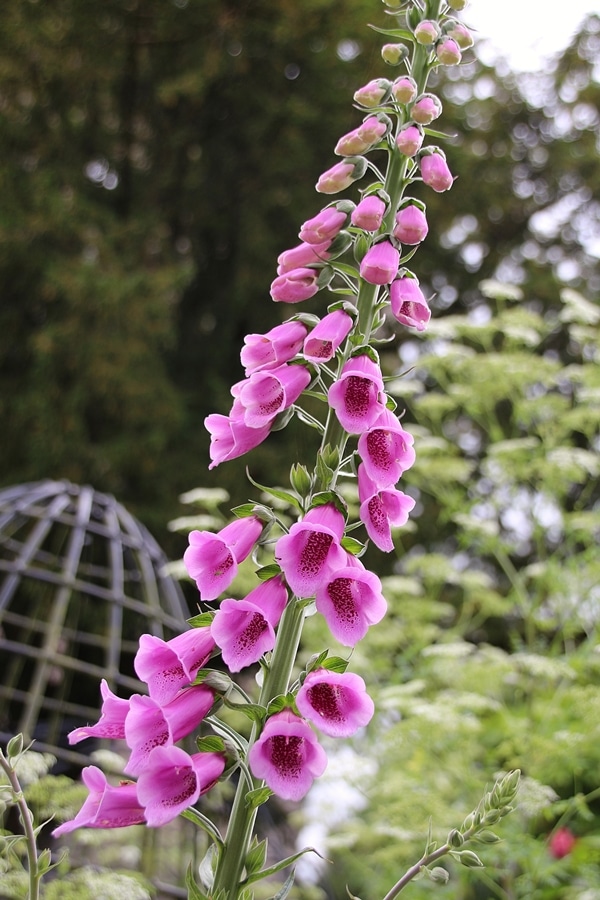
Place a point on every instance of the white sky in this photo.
(526, 31)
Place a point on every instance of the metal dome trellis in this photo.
(80, 580)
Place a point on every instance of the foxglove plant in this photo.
(353, 255)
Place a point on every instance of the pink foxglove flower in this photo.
(386, 450)
(380, 509)
(172, 781)
(427, 31)
(408, 303)
(301, 256)
(272, 349)
(265, 394)
(342, 175)
(325, 226)
(287, 756)
(311, 549)
(353, 143)
(409, 140)
(426, 109)
(357, 396)
(295, 285)
(149, 725)
(337, 703)
(369, 213)
(404, 89)
(325, 338)
(448, 52)
(106, 806)
(212, 559)
(112, 718)
(411, 225)
(380, 263)
(435, 172)
(561, 843)
(373, 93)
(350, 600)
(459, 33)
(230, 437)
(168, 666)
(245, 629)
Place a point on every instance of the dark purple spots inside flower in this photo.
(189, 784)
(286, 754)
(342, 596)
(377, 515)
(314, 552)
(224, 564)
(321, 349)
(256, 627)
(157, 740)
(358, 395)
(379, 444)
(271, 406)
(324, 699)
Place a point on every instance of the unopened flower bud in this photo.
(324, 226)
(561, 843)
(342, 175)
(426, 108)
(374, 128)
(409, 140)
(295, 286)
(302, 255)
(448, 52)
(411, 225)
(435, 172)
(427, 32)
(369, 213)
(373, 93)
(459, 32)
(380, 263)
(404, 89)
(394, 54)
(457, 5)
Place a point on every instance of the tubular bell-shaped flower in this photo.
(337, 703)
(265, 394)
(342, 175)
(357, 396)
(409, 140)
(325, 338)
(212, 559)
(410, 225)
(272, 349)
(168, 666)
(435, 172)
(302, 255)
(386, 450)
(245, 629)
(380, 509)
(350, 600)
(230, 437)
(380, 263)
(311, 549)
(408, 303)
(111, 723)
(149, 725)
(106, 806)
(287, 756)
(369, 213)
(327, 224)
(172, 781)
(295, 285)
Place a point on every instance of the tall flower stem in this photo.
(241, 822)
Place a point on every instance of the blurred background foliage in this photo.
(155, 159)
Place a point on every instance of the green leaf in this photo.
(283, 864)
(203, 620)
(243, 510)
(208, 867)
(352, 271)
(199, 819)
(277, 704)
(193, 891)
(401, 33)
(275, 492)
(210, 743)
(257, 855)
(335, 664)
(252, 711)
(285, 888)
(352, 545)
(267, 572)
(256, 798)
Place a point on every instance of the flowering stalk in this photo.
(355, 250)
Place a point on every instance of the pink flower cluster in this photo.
(169, 779)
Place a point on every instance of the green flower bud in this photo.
(394, 54)
(300, 480)
(468, 858)
(455, 838)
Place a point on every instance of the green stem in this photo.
(411, 873)
(27, 822)
(241, 822)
